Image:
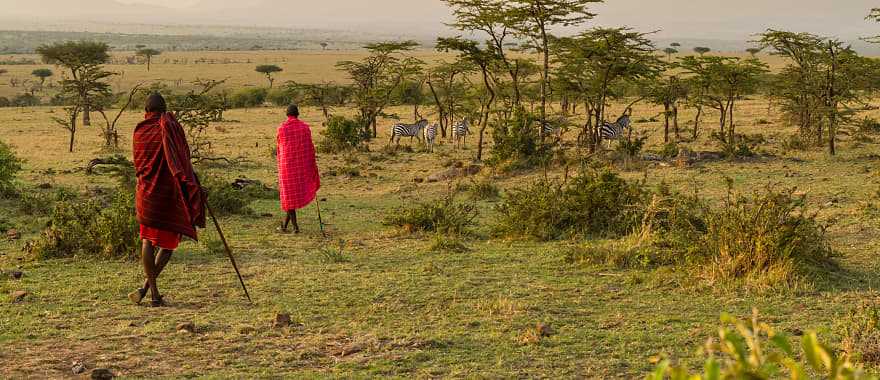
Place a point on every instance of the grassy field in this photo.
(389, 306)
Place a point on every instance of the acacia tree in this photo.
(668, 92)
(669, 52)
(109, 131)
(702, 50)
(799, 86)
(534, 19)
(148, 55)
(487, 60)
(598, 62)
(376, 77)
(447, 83)
(42, 75)
(496, 19)
(83, 59)
(726, 80)
(268, 71)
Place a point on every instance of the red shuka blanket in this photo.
(168, 196)
(298, 177)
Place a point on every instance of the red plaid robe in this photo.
(168, 197)
(298, 179)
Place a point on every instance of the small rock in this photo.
(186, 327)
(16, 274)
(13, 234)
(418, 180)
(246, 330)
(102, 374)
(544, 330)
(19, 296)
(45, 186)
(281, 320)
(266, 215)
(350, 349)
(78, 368)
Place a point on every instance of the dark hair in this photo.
(155, 103)
(293, 110)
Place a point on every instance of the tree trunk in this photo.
(666, 115)
(675, 122)
(545, 79)
(696, 133)
(732, 129)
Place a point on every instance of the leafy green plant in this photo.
(10, 165)
(860, 332)
(90, 228)
(335, 255)
(223, 198)
(767, 239)
(632, 147)
(670, 150)
(446, 216)
(757, 351)
(596, 203)
(448, 244)
(342, 135)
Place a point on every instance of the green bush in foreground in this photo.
(342, 135)
(757, 351)
(90, 228)
(223, 198)
(445, 216)
(860, 332)
(595, 204)
(10, 165)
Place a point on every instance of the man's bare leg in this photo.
(162, 261)
(291, 216)
(148, 259)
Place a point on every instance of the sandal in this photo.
(137, 296)
(158, 302)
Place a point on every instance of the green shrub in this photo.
(795, 142)
(670, 150)
(225, 199)
(596, 203)
(26, 100)
(10, 166)
(90, 228)
(768, 239)
(283, 96)
(632, 147)
(341, 135)
(860, 333)
(5, 102)
(445, 216)
(248, 98)
(483, 189)
(517, 143)
(448, 244)
(757, 351)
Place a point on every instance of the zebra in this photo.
(460, 132)
(408, 130)
(553, 127)
(614, 131)
(431, 136)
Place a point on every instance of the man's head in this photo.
(155, 103)
(293, 110)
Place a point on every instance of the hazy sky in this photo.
(715, 19)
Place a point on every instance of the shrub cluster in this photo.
(225, 199)
(446, 216)
(10, 165)
(860, 333)
(341, 135)
(248, 98)
(517, 144)
(595, 204)
(90, 228)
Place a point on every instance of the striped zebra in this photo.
(614, 131)
(553, 127)
(460, 132)
(408, 130)
(431, 136)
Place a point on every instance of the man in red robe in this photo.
(298, 179)
(169, 200)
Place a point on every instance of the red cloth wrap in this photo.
(168, 197)
(160, 238)
(298, 179)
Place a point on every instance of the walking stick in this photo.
(320, 219)
(228, 252)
